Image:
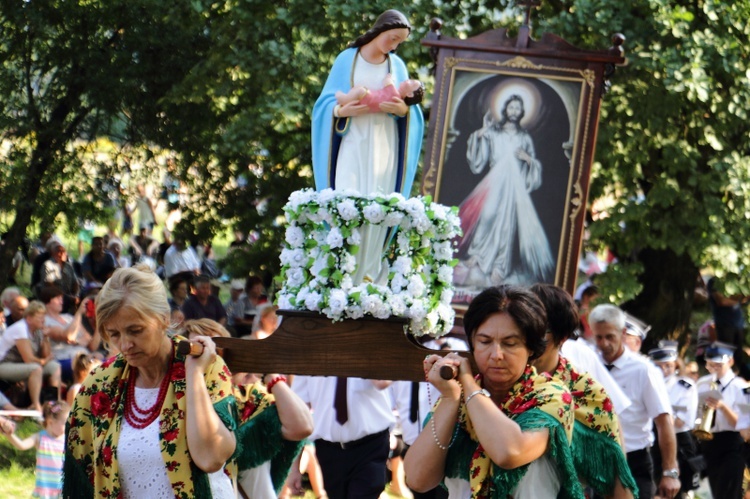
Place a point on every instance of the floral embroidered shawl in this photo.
(93, 429)
(597, 454)
(535, 402)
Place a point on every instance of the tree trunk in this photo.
(40, 163)
(666, 301)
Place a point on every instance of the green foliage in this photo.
(673, 151)
(109, 89)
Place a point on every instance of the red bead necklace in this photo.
(141, 418)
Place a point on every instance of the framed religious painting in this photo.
(513, 127)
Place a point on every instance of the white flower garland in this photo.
(323, 237)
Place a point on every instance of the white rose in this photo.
(374, 213)
(445, 274)
(326, 195)
(431, 320)
(295, 277)
(447, 314)
(285, 257)
(294, 258)
(417, 311)
(393, 218)
(312, 301)
(421, 223)
(337, 301)
(398, 283)
(346, 283)
(285, 302)
(335, 239)
(446, 296)
(348, 263)
(442, 251)
(319, 265)
(316, 217)
(402, 265)
(440, 211)
(325, 216)
(300, 197)
(371, 304)
(295, 236)
(302, 295)
(416, 286)
(347, 210)
(354, 312)
(397, 304)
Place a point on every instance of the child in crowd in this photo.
(50, 445)
(83, 363)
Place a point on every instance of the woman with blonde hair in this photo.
(149, 422)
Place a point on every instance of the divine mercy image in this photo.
(508, 162)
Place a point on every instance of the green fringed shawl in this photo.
(600, 461)
(504, 482)
(259, 440)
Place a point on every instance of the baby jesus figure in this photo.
(373, 98)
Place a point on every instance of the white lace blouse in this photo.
(142, 469)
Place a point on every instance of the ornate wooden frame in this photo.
(469, 70)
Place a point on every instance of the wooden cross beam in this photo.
(529, 4)
(311, 344)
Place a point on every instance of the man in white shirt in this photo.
(181, 261)
(683, 396)
(650, 404)
(353, 418)
(723, 452)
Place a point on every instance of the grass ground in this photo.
(17, 467)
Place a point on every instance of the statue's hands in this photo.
(396, 106)
(353, 108)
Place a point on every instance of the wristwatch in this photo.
(674, 473)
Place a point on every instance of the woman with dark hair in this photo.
(506, 432)
(597, 450)
(357, 149)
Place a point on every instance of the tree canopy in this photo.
(226, 88)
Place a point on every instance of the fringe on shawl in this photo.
(259, 440)
(505, 481)
(75, 481)
(599, 461)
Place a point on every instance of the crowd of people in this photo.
(548, 413)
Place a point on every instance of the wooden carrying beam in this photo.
(312, 344)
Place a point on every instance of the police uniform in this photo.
(723, 453)
(683, 395)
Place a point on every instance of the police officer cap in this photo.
(635, 326)
(719, 352)
(665, 352)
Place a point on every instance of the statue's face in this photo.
(388, 41)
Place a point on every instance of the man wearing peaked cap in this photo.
(724, 452)
(635, 332)
(683, 396)
(644, 385)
